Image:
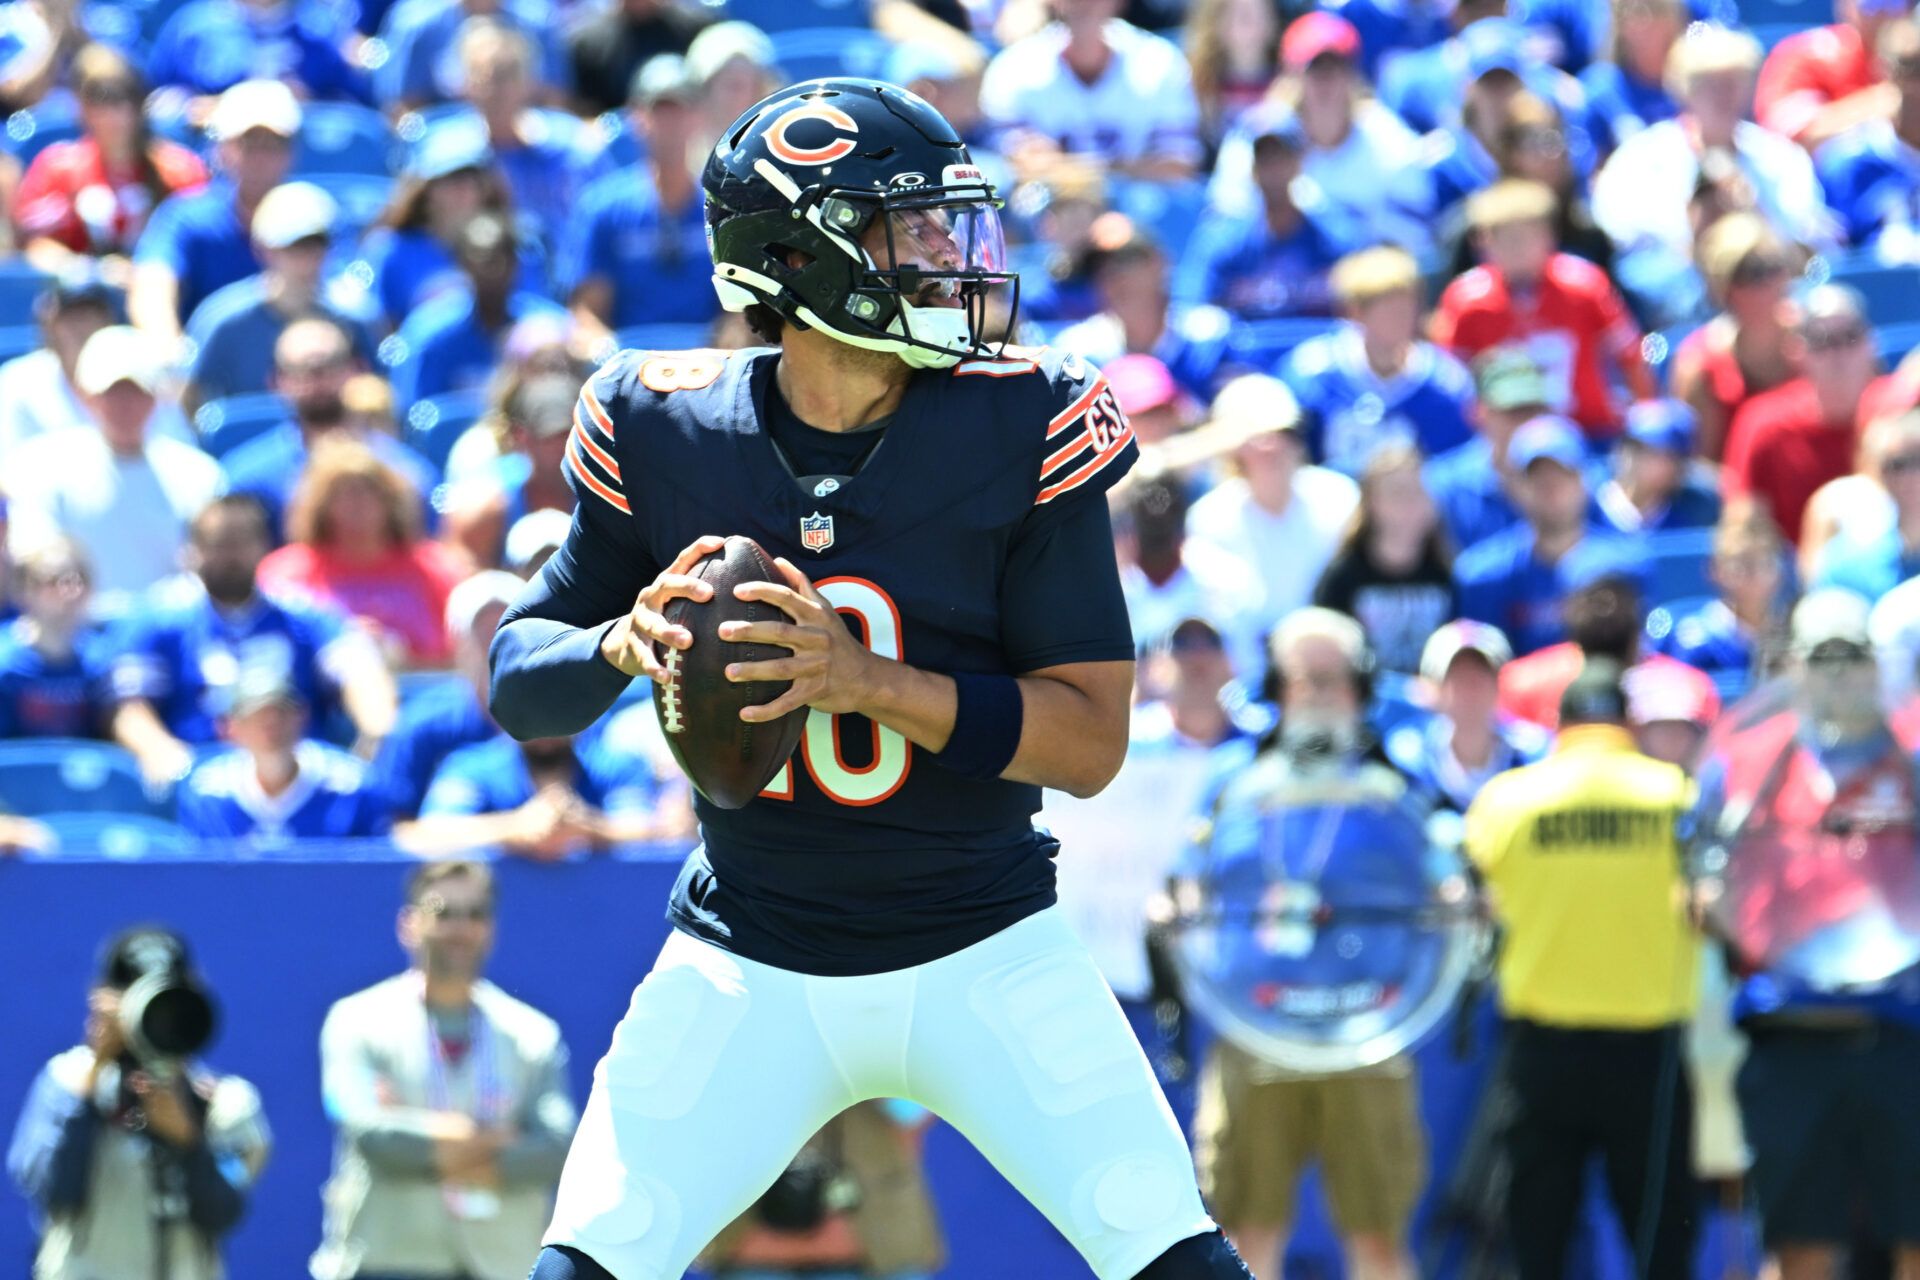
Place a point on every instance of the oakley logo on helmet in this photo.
(908, 180)
(838, 149)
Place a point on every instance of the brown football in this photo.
(728, 759)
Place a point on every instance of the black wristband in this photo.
(988, 714)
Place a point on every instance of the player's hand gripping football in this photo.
(629, 645)
(830, 669)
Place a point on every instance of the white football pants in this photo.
(723, 1067)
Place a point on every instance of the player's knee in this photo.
(563, 1262)
(1201, 1257)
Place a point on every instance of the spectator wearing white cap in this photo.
(1092, 84)
(1278, 516)
(527, 477)
(120, 491)
(199, 243)
(731, 67)
(422, 37)
(1454, 753)
(233, 332)
(452, 713)
(534, 538)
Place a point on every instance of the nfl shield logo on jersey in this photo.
(816, 532)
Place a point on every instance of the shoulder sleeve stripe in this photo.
(598, 454)
(591, 403)
(1067, 416)
(584, 473)
(1114, 449)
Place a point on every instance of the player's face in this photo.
(947, 238)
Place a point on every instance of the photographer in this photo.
(138, 1158)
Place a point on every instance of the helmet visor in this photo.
(963, 238)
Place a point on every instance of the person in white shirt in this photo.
(121, 491)
(37, 392)
(1279, 516)
(1167, 580)
(1641, 195)
(1091, 84)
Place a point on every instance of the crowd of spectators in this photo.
(1523, 324)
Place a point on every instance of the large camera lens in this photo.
(164, 1016)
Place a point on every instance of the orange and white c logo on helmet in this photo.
(835, 150)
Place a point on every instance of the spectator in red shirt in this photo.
(1820, 83)
(91, 196)
(1749, 347)
(1788, 442)
(1561, 309)
(356, 547)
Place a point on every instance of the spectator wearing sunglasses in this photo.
(1872, 565)
(450, 1100)
(1787, 443)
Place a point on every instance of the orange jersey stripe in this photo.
(594, 411)
(1066, 416)
(1065, 452)
(598, 454)
(612, 496)
(1081, 476)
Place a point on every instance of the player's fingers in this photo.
(647, 628)
(704, 545)
(671, 586)
(771, 669)
(792, 700)
(781, 633)
(798, 580)
(785, 599)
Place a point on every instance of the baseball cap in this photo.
(448, 147)
(721, 43)
(473, 595)
(260, 686)
(660, 77)
(1463, 635)
(118, 353)
(1508, 378)
(545, 405)
(292, 212)
(536, 533)
(78, 284)
(255, 104)
(143, 949)
(1547, 438)
(1492, 44)
(1667, 425)
(1141, 382)
(1594, 695)
(1660, 691)
(1315, 34)
(1830, 615)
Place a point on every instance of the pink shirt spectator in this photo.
(1807, 71)
(403, 593)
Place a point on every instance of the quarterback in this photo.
(880, 920)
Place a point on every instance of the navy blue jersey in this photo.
(973, 539)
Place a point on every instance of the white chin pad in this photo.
(944, 327)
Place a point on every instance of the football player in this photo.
(880, 921)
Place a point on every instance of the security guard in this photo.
(1597, 978)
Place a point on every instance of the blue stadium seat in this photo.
(774, 16)
(1263, 344)
(118, 835)
(344, 137)
(20, 285)
(1792, 13)
(810, 53)
(1677, 563)
(1889, 290)
(225, 425)
(1770, 34)
(662, 337)
(362, 197)
(412, 684)
(1894, 341)
(433, 425)
(67, 775)
(18, 340)
(32, 130)
(1168, 210)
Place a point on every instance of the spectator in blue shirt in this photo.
(1733, 633)
(1274, 261)
(1871, 173)
(1472, 485)
(454, 342)
(451, 713)
(196, 244)
(1430, 88)
(1375, 380)
(313, 362)
(233, 332)
(176, 659)
(1451, 754)
(423, 58)
(529, 475)
(1518, 579)
(1652, 488)
(538, 150)
(1629, 92)
(636, 250)
(450, 177)
(275, 785)
(546, 798)
(1137, 315)
(1872, 564)
(50, 676)
(1389, 28)
(209, 46)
